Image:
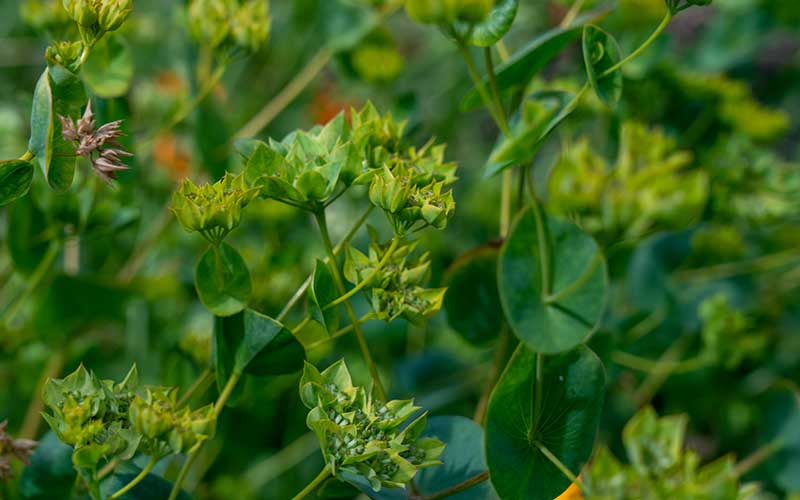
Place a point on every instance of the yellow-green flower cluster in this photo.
(363, 437)
(97, 17)
(215, 209)
(448, 11)
(395, 289)
(164, 427)
(230, 23)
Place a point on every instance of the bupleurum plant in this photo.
(634, 216)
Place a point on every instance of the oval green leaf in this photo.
(472, 302)
(322, 292)
(15, 180)
(40, 142)
(528, 420)
(600, 53)
(552, 281)
(109, 70)
(267, 347)
(533, 57)
(223, 280)
(493, 28)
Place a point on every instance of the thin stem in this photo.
(33, 418)
(494, 374)
(297, 329)
(343, 331)
(458, 488)
(288, 94)
(201, 381)
(544, 250)
(87, 49)
(498, 101)
(302, 290)
(537, 396)
(661, 372)
(757, 457)
(502, 51)
(560, 466)
(633, 55)
(478, 81)
(651, 366)
(218, 406)
(323, 475)
(152, 463)
(337, 278)
(571, 14)
(33, 282)
(730, 269)
(28, 156)
(368, 279)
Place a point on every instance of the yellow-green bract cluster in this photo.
(224, 23)
(215, 209)
(660, 467)
(97, 17)
(164, 427)
(448, 11)
(361, 436)
(310, 169)
(650, 187)
(396, 289)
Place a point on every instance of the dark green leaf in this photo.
(42, 124)
(68, 98)
(223, 280)
(109, 70)
(267, 347)
(552, 280)
(322, 292)
(472, 302)
(462, 459)
(152, 487)
(50, 473)
(530, 59)
(564, 422)
(15, 180)
(493, 28)
(600, 53)
(539, 115)
(782, 427)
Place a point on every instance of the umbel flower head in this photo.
(20, 449)
(362, 436)
(396, 290)
(215, 209)
(100, 145)
(92, 415)
(96, 17)
(225, 23)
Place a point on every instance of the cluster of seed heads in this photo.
(20, 449)
(100, 145)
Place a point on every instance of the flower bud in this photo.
(112, 13)
(208, 21)
(64, 53)
(81, 11)
(473, 11)
(428, 11)
(250, 25)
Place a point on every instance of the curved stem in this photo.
(297, 329)
(287, 94)
(478, 81)
(144, 472)
(571, 14)
(337, 278)
(633, 55)
(27, 156)
(757, 457)
(343, 331)
(33, 282)
(368, 279)
(302, 290)
(652, 366)
(199, 382)
(323, 475)
(560, 466)
(176, 487)
(458, 488)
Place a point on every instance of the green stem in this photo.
(633, 55)
(494, 374)
(87, 49)
(152, 463)
(218, 406)
(652, 366)
(560, 466)
(288, 94)
(297, 329)
(458, 488)
(33, 282)
(571, 14)
(302, 290)
(342, 331)
(337, 278)
(202, 379)
(757, 457)
(33, 417)
(323, 475)
(537, 397)
(478, 81)
(368, 279)
(28, 156)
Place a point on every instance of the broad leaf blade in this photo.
(68, 98)
(551, 308)
(564, 422)
(109, 70)
(223, 280)
(40, 142)
(15, 180)
(267, 347)
(493, 28)
(322, 292)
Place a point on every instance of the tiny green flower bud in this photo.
(473, 11)
(82, 12)
(250, 25)
(112, 13)
(64, 53)
(428, 11)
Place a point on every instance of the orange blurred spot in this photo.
(325, 106)
(572, 493)
(170, 83)
(170, 156)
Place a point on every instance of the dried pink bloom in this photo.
(21, 449)
(99, 145)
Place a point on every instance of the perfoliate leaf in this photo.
(15, 180)
(223, 280)
(600, 53)
(322, 292)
